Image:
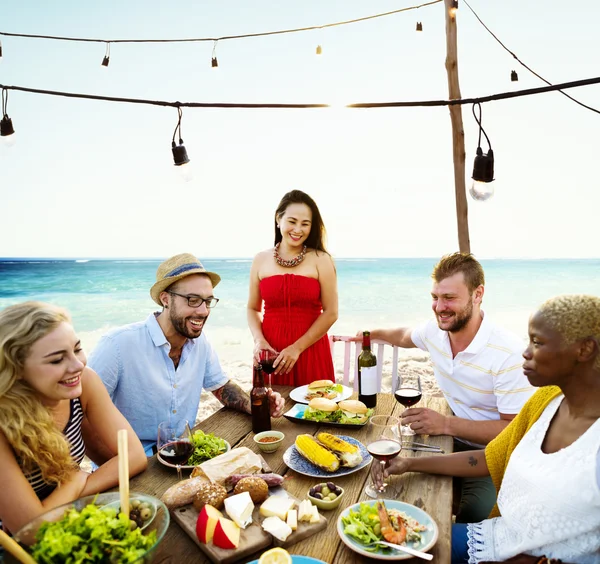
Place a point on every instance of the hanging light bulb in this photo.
(0, 49)
(214, 63)
(419, 26)
(106, 59)
(319, 50)
(514, 77)
(7, 131)
(180, 156)
(482, 188)
(453, 7)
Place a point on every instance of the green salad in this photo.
(91, 535)
(206, 446)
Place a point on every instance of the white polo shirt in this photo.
(485, 379)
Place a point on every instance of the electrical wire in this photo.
(225, 37)
(361, 105)
(523, 64)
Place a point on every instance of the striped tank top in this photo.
(72, 433)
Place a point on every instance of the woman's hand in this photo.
(287, 358)
(261, 345)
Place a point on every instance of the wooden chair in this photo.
(379, 351)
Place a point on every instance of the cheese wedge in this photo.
(292, 519)
(276, 506)
(305, 510)
(276, 527)
(239, 508)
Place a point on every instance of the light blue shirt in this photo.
(133, 362)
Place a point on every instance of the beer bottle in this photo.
(259, 399)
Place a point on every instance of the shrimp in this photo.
(389, 533)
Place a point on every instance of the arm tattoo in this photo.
(472, 461)
(232, 396)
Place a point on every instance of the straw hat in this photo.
(176, 268)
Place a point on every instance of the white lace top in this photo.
(550, 503)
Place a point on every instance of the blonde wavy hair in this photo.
(25, 421)
(574, 317)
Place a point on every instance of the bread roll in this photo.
(255, 486)
(210, 494)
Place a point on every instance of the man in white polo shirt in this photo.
(478, 367)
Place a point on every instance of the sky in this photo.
(96, 179)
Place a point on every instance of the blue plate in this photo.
(429, 537)
(298, 559)
(296, 414)
(299, 464)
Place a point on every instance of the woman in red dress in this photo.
(296, 280)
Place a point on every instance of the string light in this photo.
(7, 131)
(0, 49)
(514, 77)
(214, 63)
(419, 26)
(180, 156)
(106, 59)
(482, 188)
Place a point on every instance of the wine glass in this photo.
(266, 360)
(174, 443)
(383, 443)
(408, 394)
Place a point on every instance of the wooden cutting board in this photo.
(252, 539)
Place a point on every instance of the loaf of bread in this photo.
(183, 492)
(210, 494)
(255, 486)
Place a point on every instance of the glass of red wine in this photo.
(266, 360)
(383, 443)
(174, 443)
(408, 394)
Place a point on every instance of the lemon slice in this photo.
(276, 556)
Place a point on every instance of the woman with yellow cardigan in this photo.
(546, 463)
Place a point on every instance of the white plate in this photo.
(298, 463)
(299, 394)
(165, 463)
(429, 537)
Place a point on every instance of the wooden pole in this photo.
(458, 133)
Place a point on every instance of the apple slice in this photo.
(227, 534)
(206, 523)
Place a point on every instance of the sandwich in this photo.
(354, 412)
(322, 409)
(323, 389)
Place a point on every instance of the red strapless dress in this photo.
(292, 304)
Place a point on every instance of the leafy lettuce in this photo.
(89, 536)
(206, 446)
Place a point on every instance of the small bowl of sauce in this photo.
(269, 441)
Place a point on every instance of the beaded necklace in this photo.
(288, 263)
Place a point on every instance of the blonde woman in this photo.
(45, 392)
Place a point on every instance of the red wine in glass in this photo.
(267, 365)
(384, 449)
(408, 396)
(177, 452)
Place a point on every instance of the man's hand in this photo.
(276, 402)
(424, 421)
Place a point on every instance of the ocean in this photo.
(104, 293)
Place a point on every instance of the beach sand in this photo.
(410, 362)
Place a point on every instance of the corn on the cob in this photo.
(310, 449)
(335, 443)
(348, 454)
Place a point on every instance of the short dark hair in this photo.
(317, 236)
(460, 262)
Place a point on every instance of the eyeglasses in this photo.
(197, 301)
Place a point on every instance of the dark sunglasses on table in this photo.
(197, 301)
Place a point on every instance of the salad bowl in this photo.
(155, 528)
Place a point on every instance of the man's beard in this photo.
(179, 324)
(460, 318)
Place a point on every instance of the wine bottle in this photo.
(367, 373)
(259, 400)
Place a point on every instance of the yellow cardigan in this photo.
(498, 451)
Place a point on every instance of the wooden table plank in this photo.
(432, 493)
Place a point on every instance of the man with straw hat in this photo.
(155, 370)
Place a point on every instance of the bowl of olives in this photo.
(326, 495)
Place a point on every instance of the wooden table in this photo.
(431, 493)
